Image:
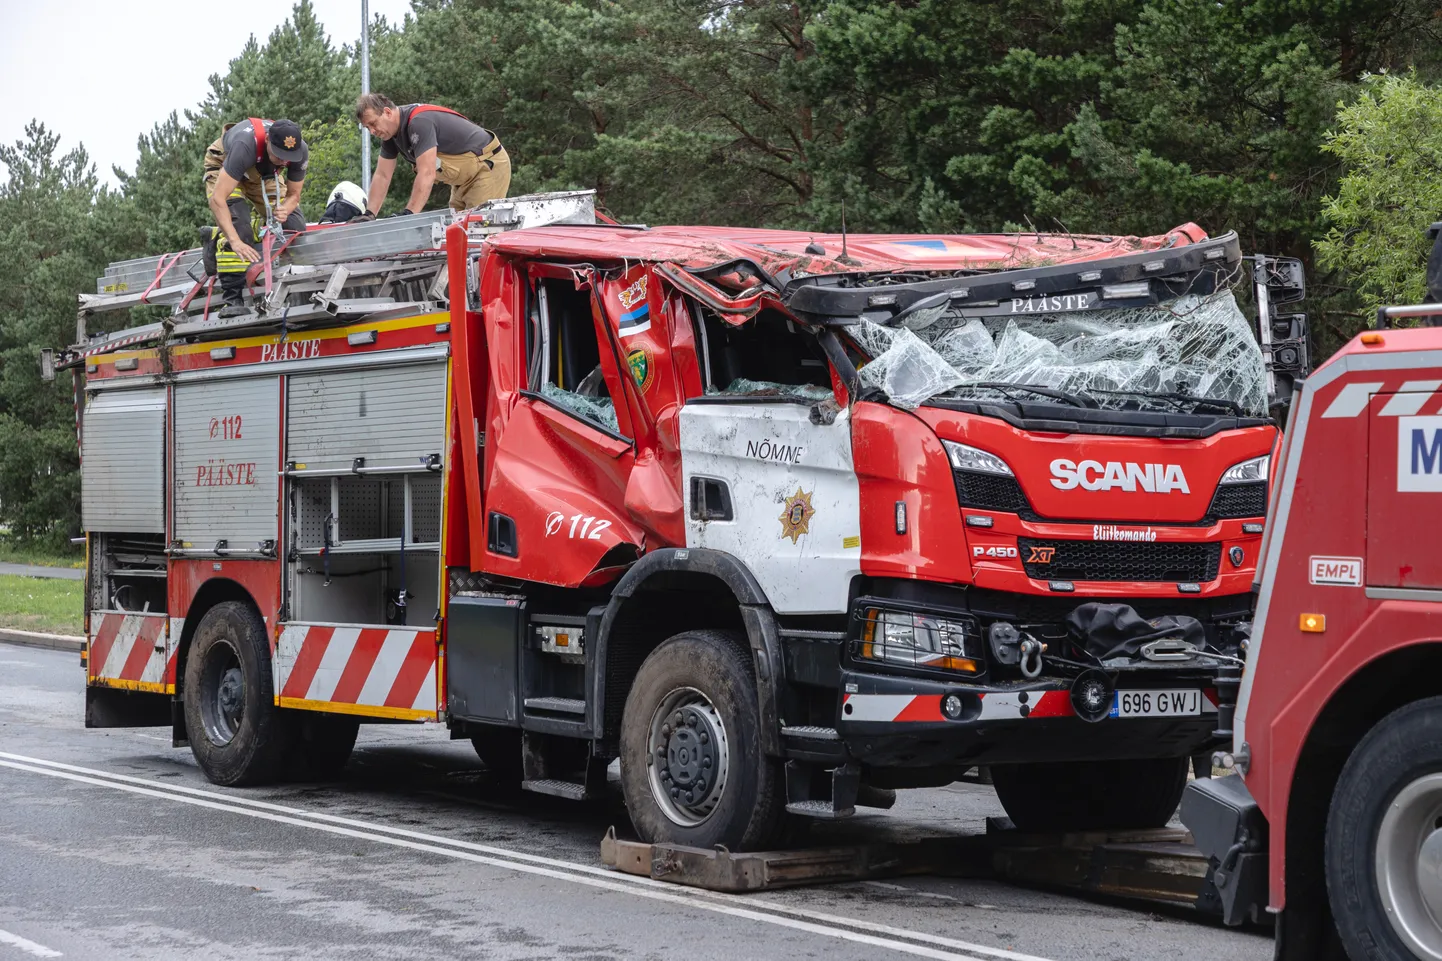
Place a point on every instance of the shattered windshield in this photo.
(1193, 354)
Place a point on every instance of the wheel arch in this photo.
(678, 589)
(1388, 682)
(216, 590)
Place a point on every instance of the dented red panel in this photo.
(899, 459)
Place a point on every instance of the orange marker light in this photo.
(1312, 623)
(1372, 339)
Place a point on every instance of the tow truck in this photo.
(1334, 824)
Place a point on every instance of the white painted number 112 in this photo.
(586, 523)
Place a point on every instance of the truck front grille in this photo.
(990, 492)
(1052, 560)
(1239, 500)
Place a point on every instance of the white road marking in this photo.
(750, 907)
(28, 946)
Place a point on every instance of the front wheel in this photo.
(1061, 796)
(692, 768)
(236, 732)
(1384, 839)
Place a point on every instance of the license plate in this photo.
(1156, 703)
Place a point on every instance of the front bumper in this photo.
(891, 721)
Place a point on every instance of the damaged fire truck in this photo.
(784, 521)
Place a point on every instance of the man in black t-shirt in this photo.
(244, 168)
(442, 144)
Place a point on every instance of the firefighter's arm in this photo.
(425, 179)
(380, 184)
(224, 184)
(292, 199)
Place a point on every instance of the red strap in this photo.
(258, 125)
(161, 269)
(424, 107)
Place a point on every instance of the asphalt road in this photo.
(32, 570)
(112, 845)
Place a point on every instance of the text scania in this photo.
(1115, 475)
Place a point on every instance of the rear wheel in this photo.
(1384, 839)
(1064, 796)
(692, 768)
(236, 732)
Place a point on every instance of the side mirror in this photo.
(1289, 345)
(47, 364)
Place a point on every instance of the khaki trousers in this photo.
(476, 178)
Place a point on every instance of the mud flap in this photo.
(110, 707)
(1231, 831)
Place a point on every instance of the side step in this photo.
(1151, 865)
(557, 788)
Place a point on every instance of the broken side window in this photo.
(564, 357)
(769, 355)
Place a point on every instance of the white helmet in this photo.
(350, 193)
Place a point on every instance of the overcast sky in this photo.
(103, 73)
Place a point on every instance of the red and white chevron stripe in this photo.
(128, 650)
(376, 671)
(995, 706)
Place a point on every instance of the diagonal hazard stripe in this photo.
(104, 639)
(307, 661)
(358, 666)
(414, 671)
(142, 648)
(923, 707)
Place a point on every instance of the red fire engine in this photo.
(1334, 822)
(783, 520)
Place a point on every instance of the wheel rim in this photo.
(688, 756)
(222, 694)
(1409, 866)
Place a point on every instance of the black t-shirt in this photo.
(447, 132)
(239, 143)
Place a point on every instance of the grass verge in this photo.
(42, 604)
(11, 554)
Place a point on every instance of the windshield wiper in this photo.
(1179, 400)
(1009, 388)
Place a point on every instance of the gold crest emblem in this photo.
(796, 518)
(289, 143)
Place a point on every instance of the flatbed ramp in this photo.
(1153, 865)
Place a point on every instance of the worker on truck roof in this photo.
(244, 168)
(442, 144)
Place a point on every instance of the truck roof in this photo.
(786, 250)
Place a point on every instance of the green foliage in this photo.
(1388, 139)
(1112, 116)
(48, 605)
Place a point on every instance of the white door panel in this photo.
(795, 499)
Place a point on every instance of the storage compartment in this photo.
(227, 441)
(122, 463)
(483, 639)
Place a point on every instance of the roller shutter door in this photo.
(227, 454)
(123, 462)
(392, 416)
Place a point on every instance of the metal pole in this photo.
(365, 88)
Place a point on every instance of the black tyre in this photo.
(1091, 795)
(236, 732)
(499, 749)
(692, 769)
(1384, 839)
(322, 744)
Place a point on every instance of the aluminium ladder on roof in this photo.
(345, 271)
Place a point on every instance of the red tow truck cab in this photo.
(784, 521)
(1333, 822)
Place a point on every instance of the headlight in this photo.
(970, 458)
(1248, 471)
(917, 640)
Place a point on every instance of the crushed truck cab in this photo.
(785, 521)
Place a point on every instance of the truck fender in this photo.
(756, 615)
